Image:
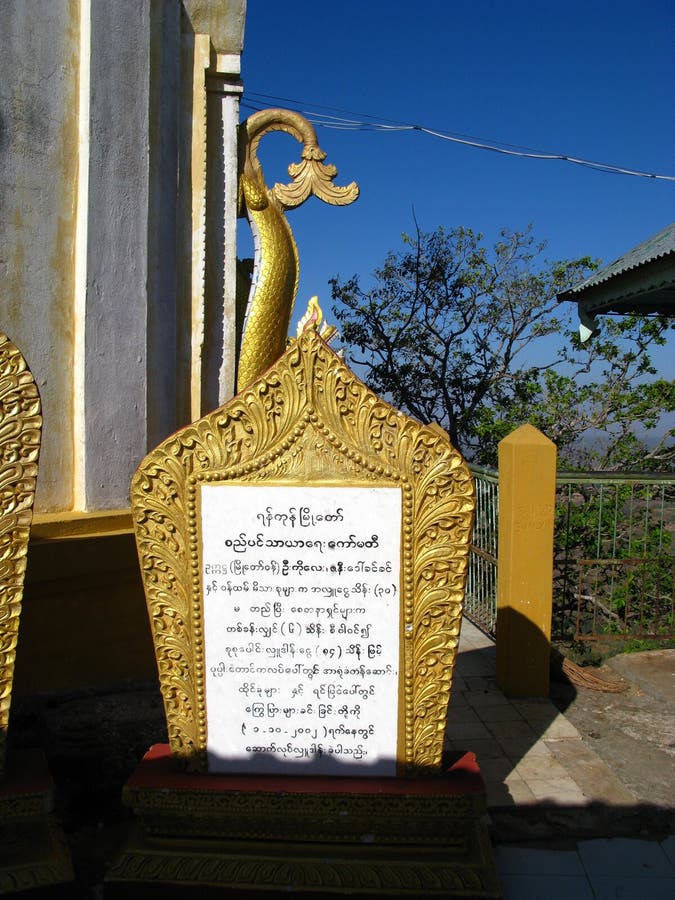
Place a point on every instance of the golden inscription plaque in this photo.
(20, 424)
(310, 422)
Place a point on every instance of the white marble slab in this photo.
(302, 628)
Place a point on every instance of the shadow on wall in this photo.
(84, 622)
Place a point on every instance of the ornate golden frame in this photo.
(309, 420)
(20, 427)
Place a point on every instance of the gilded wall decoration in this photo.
(20, 426)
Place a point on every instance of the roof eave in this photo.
(630, 291)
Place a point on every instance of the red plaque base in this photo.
(33, 851)
(422, 836)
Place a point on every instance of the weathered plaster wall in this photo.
(131, 260)
(38, 193)
(115, 412)
(166, 77)
(99, 188)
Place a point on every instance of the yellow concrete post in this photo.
(527, 467)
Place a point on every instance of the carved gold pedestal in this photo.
(368, 836)
(33, 850)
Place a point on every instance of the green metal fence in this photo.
(480, 603)
(613, 558)
(613, 565)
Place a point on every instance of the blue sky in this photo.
(592, 80)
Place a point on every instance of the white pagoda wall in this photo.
(103, 251)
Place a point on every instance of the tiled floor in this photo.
(530, 754)
(614, 869)
(527, 750)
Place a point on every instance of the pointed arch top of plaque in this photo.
(308, 421)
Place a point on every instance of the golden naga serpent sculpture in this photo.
(275, 274)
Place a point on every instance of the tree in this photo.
(475, 340)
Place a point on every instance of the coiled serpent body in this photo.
(275, 275)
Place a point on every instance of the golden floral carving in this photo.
(20, 425)
(309, 420)
(313, 816)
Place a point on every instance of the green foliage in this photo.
(595, 653)
(639, 646)
(613, 565)
(474, 339)
(584, 653)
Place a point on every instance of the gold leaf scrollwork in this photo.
(309, 420)
(20, 428)
(311, 176)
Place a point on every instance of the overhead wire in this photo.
(313, 112)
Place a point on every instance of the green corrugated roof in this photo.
(641, 281)
(653, 248)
